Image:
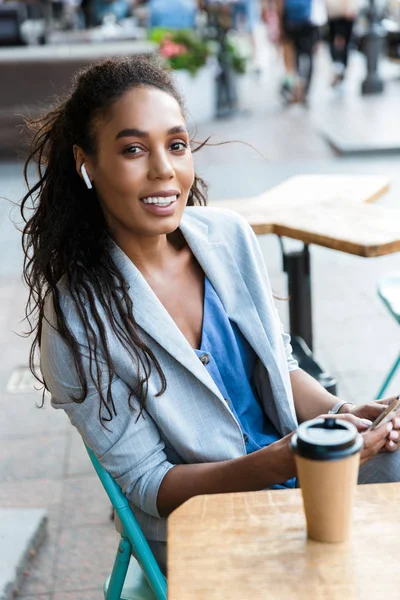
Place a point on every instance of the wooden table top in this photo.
(253, 545)
(328, 210)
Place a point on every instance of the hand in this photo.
(394, 436)
(378, 440)
(393, 440)
(371, 411)
(375, 440)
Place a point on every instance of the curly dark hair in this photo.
(66, 236)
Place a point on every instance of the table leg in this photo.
(297, 265)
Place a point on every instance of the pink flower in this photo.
(169, 49)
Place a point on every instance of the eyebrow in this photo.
(142, 134)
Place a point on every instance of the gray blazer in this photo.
(191, 422)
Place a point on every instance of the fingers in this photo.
(396, 423)
(377, 439)
(393, 439)
(391, 446)
(386, 401)
(360, 423)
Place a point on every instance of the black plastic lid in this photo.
(326, 439)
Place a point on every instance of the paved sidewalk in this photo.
(43, 463)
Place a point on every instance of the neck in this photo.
(151, 254)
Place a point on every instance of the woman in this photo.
(155, 320)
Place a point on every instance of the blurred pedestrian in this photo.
(246, 14)
(301, 23)
(172, 14)
(104, 9)
(341, 17)
(271, 18)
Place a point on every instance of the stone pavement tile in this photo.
(351, 284)
(360, 344)
(36, 597)
(351, 303)
(279, 135)
(22, 531)
(86, 556)
(93, 594)
(362, 386)
(40, 493)
(14, 351)
(33, 458)
(7, 290)
(13, 297)
(40, 573)
(77, 460)
(31, 493)
(87, 493)
(22, 410)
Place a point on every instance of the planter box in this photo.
(199, 92)
(32, 76)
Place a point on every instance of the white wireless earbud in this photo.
(86, 177)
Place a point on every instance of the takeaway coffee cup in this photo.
(327, 454)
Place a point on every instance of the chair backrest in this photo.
(132, 531)
(389, 293)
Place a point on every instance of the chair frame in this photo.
(396, 364)
(388, 378)
(132, 541)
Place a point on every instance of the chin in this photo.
(170, 226)
(165, 226)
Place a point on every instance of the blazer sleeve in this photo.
(128, 447)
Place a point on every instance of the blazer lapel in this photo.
(153, 318)
(218, 264)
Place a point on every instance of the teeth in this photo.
(160, 201)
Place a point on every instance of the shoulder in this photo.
(220, 222)
(61, 302)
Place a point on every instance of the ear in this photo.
(80, 159)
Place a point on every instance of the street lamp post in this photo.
(374, 40)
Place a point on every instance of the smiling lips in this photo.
(161, 199)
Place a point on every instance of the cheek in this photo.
(185, 171)
(121, 177)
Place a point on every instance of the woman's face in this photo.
(143, 169)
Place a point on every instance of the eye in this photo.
(133, 150)
(178, 146)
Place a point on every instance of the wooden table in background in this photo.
(253, 546)
(333, 211)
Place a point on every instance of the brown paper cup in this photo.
(328, 489)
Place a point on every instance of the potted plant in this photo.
(195, 67)
(183, 49)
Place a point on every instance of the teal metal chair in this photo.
(138, 578)
(389, 293)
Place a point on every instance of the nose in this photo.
(160, 166)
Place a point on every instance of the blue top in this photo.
(230, 360)
(172, 14)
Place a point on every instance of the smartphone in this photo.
(387, 414)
